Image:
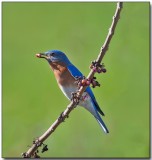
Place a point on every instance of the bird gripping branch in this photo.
(32, 151)
(66, 74)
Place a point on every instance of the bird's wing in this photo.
(94, 100)
(75, 72)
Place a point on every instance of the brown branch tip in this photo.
(95, 67)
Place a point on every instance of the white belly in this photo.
(85, 101)
(68, 90)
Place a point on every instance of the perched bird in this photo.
(65, 73)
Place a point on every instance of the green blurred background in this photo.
(31, 99)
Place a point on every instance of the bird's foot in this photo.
(97, 67)
(75, 98)
(82, 81)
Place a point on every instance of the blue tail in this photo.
(101, 123)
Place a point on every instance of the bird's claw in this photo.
(97, 67)
(82, 81)
(75, 98)
(79, 81)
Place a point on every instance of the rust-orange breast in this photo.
(62, 74)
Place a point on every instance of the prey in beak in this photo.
(41, 55)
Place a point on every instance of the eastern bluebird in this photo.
(65, 73)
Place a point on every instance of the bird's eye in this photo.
(52, 54)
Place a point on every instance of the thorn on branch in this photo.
(97, 67)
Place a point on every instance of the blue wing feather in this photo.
(94, 101)
(75, 72)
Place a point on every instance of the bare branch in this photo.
(104, 48)
(31, 153)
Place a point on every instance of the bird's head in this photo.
(54, 56)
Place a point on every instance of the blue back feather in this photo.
(75, 72)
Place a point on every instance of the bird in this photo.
(65, 73)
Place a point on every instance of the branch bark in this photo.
(31, 153)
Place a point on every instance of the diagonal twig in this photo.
(32, 151)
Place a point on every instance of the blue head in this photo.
(53, 56)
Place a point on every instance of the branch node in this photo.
(25, 155)
(61, 117)
(37, 142)
(97, 67)
(66, 115)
